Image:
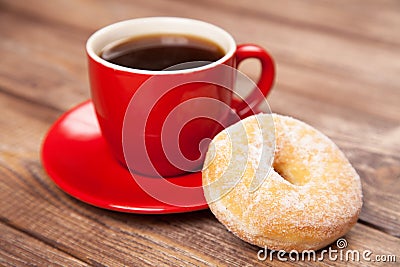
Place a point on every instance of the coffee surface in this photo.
(162, 51)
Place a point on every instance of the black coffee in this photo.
(162, 51)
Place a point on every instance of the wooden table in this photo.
(338, 69)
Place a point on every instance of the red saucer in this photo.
(77, 159)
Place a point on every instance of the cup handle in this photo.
(264, 85)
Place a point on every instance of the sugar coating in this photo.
(317, 200)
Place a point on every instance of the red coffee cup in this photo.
(158, 123)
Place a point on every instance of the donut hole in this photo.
(292, 173)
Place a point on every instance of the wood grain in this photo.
(100, 237)
(112, 239)
(338, 68)
(20, 249)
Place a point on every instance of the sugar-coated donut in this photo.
(309, 198)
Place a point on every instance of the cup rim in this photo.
(111, 27)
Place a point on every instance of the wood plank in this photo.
(109, 238)
(351, 127)
(367, 148)
(381, 187)
(369, 99)
(370, 21)
(33, 203)
(302, 45)
(356, 241)
(19, 249)
(365, 101)
(102, 237)
(40, 64)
